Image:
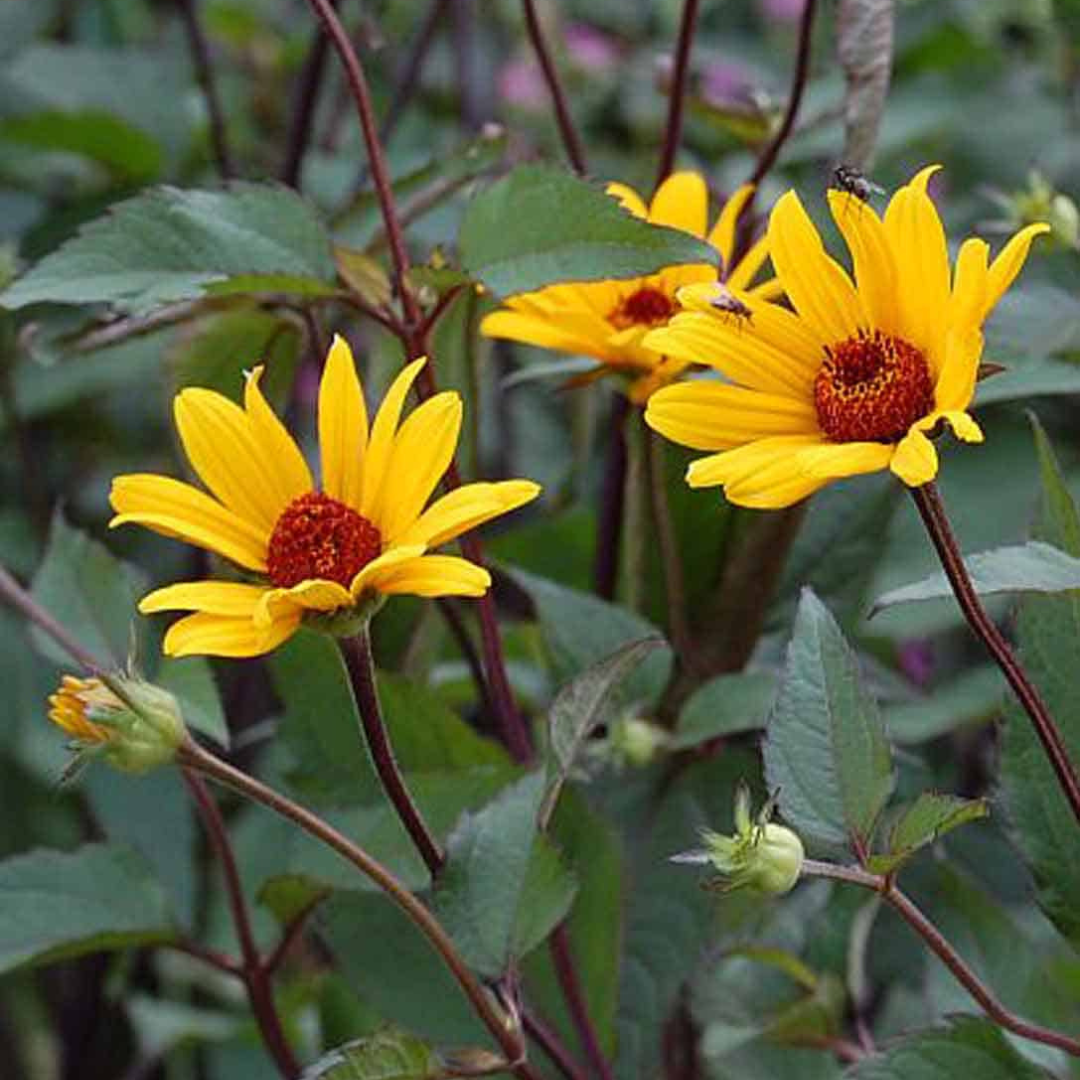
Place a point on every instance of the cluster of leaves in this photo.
(141, 270)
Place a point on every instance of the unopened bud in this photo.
(636, 742)
(133, 725)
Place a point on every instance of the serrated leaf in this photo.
(864, 44)
(168, 244)
(579, 707)
(55, 905)
(930, 816)
(581, 630)
(90, 592)
(726, 705)
(191, 681)
(965, 1047)
(389, 1054)
(490, 895)
(1034, 567)
(825, 747)
(539, 225)
(1048, 637)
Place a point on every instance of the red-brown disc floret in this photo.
(872, 388)
(646, 307)
(319, 537)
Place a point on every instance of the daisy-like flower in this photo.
(858, 375)
(607, 320)
(330, 552)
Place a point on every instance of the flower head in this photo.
(859, 374)
(331, 553)
(134, 725)
(608, 320)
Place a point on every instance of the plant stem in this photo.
(612, 496)
(303, 116)
(357, 653)
(465, 645)
(505, 1033)
(932, 511)
(550, 1043)
(571, 141)
(943, 949)
(407, 80)
(677, 91)
(254, 974)
(290, 935)
(771, 152)
(570, 985)
(380, 175)
(204, 74)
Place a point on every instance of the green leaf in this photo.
(1048, 637)
(167, 244)
(539, 225)
(965, 1047)
(581, 630)
(55, 905)
(825, 747)
(502, 890)
(90, 593)
(389, 1054)
(922, 823)
(191, 682)
(579, 707)
(1034, 567)
(726, 705)
(973, 696)
(288, 895)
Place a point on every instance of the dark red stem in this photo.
(570, 139)
(253, 972)
(204, 74)
(570, 985)
(677, 92)
(303, 116)
(357, 653)
(932, 511)
(550, 1043)
(612, 497)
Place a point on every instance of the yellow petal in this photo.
(830, 462)
(917, 238)
(915, 460)
(215, 635)
(963, 426)
(872, 258)
(816, 285)
(707, 415)
(585, 336)
(467, 507)
(314, 594)
(422, 452)
(968, 303)
(744, 271)
(173, 508)
(764, 474)
(382, 435)
(771, 351)
(956, 384)
(343, 426)
(722, 236)
(276, 446)
(628, 198)
(223, 449)
(1009, 261)
(682, 201)
(435, 575)
(229, 598)
(372, 573)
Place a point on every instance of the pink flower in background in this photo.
(782, 10)
(590, 49)
(521, 83)
(725, 82)
(917, 661)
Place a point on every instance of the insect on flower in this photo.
(726, 302)
(848, 179)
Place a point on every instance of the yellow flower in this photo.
(855, 378)
(334, 551)
(71, 707)
(608, 319)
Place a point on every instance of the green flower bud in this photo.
(133, 725)
(636, 742)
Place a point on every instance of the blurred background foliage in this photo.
(100, 100)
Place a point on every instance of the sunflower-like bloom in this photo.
(607, 320)
(858, 375)
(334, 551)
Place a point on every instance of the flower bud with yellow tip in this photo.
(133, 725)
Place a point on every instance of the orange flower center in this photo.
(872, 388)
(646, 307)
(319, 537)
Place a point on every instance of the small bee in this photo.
(848, 179)
(725, 301)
